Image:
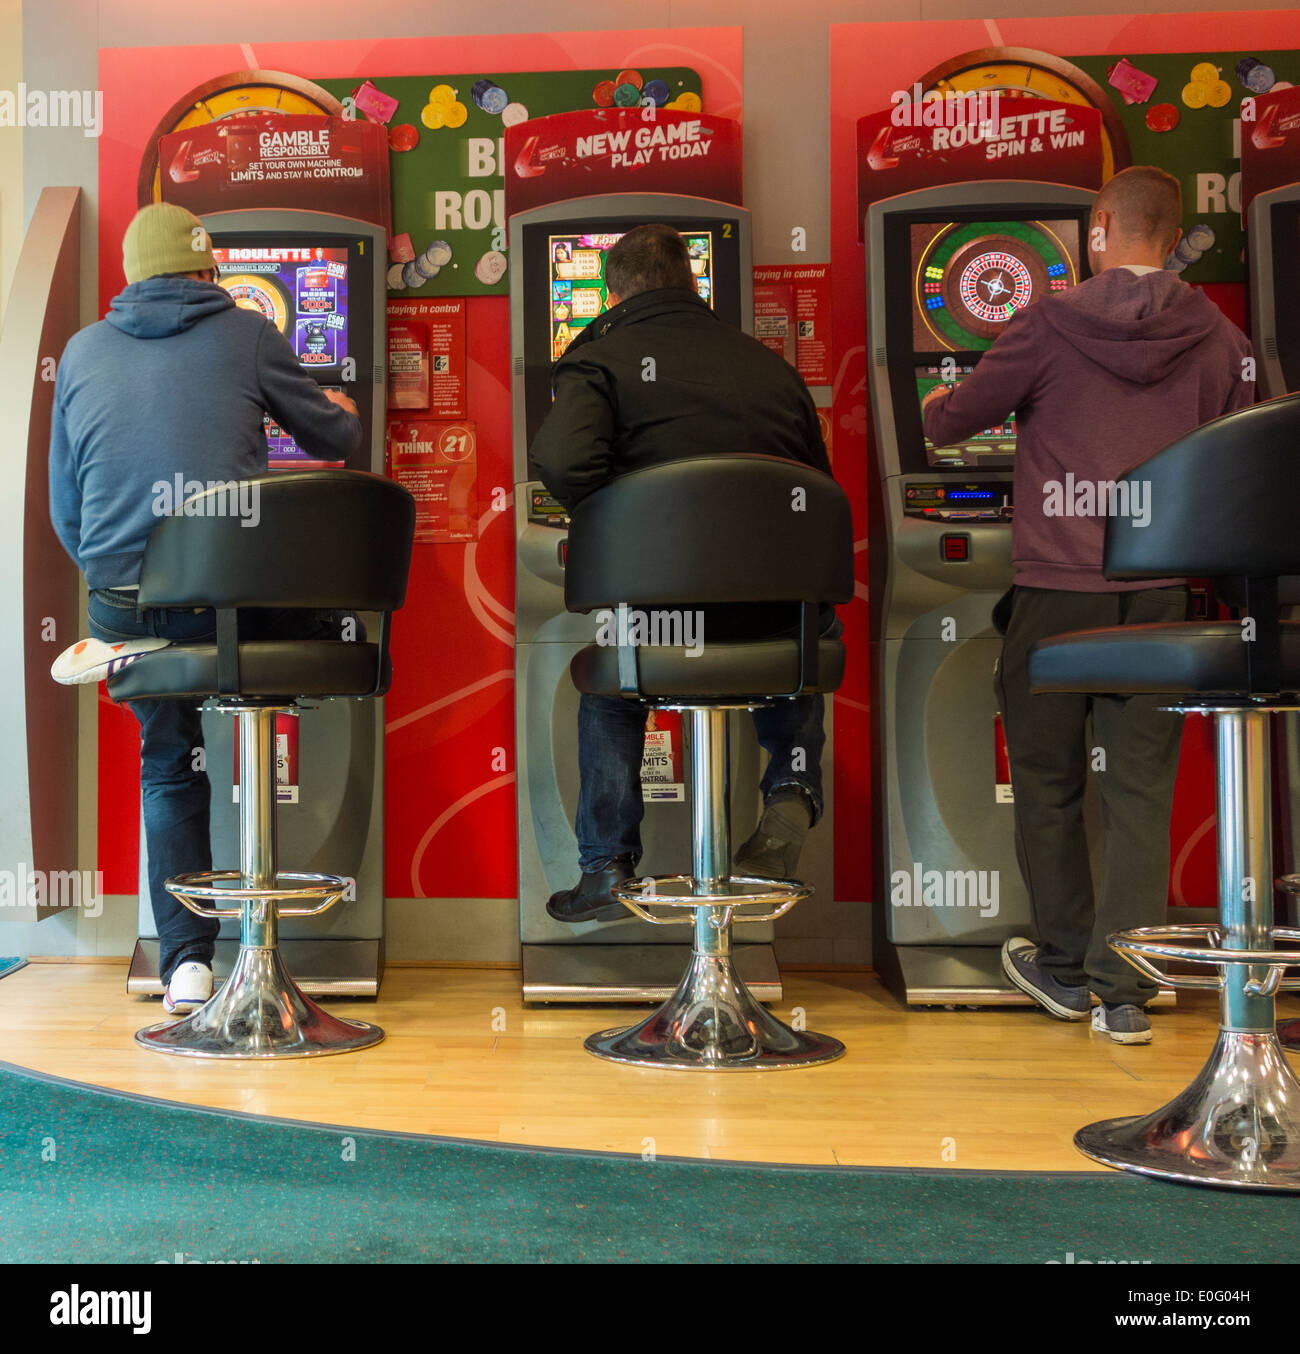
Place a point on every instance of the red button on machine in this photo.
(954, 547)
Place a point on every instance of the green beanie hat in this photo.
(165, 238)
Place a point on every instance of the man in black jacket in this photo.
(656, 378)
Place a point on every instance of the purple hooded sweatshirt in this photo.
(1100, 378)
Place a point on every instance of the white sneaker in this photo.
(190, 987)
(93, 660)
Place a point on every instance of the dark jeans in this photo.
(175, 795)
(611, 744)
(1050, 750)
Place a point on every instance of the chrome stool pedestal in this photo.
(258, 1012)
(711, 1022)
(1238, 1123)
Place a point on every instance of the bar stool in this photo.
(715, 530)
(325, 540)
(1225, 502)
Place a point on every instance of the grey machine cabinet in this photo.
(616, 961)
(933, 645)
(337, 827)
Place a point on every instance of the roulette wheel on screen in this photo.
(265, 295)
(971, 278)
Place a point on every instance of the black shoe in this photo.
(773, 850)
(591, 900)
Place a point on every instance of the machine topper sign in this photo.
(621, 150)
(1270, 143)
(333, 165)
(921, 142)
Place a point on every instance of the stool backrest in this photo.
(325, 539)
(712, 529)
(1224, 501)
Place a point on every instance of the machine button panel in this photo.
(954, 546)
(545, 510)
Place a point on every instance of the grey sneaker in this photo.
(1020, 964)
(1125, 1024)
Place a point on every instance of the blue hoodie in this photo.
(174, 381)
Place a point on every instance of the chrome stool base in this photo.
(1237, 1124)
(259, 1012)
(711, 1022)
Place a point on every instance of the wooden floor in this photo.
(989, 1089)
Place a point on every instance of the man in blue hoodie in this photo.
(1100, 378)
(174, 382)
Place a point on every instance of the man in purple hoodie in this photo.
(1100, 378)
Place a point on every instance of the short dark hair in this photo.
(1147, 203)
(648, 258)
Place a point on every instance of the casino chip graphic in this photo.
(971, 278)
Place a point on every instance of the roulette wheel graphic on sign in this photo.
(1023, 73)
(970, 279)
(232, 95)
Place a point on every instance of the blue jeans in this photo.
(175, 796)
(611, 745)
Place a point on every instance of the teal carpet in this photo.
(87, 1175)
(10, 964)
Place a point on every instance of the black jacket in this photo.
(658, 378)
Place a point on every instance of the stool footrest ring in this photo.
(649, 891)
(324, 889)
(1141, 944)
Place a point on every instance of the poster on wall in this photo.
(662, 778)
(437, 461)
(447, 135)
(1182, 111)
(809, 289)
(774, 322)
(426, 356)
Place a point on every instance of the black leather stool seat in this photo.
(736, 672)
(1197, 659)
(267, 668)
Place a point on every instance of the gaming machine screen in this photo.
(577, 279)
(302, 288)
(563, 272)
(966, 280)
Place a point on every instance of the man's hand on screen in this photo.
(343, 401)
